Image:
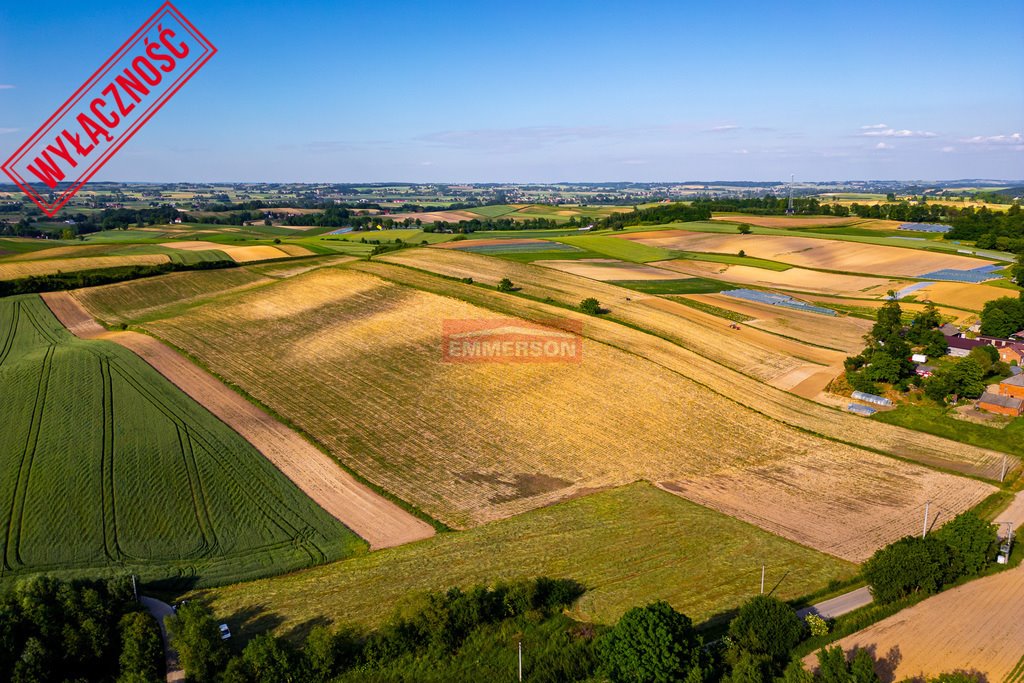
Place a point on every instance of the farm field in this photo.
(961, 295)
(843, 333)
(610, 269)
(763, 356)
(147, 480)
(19, 269)
(362, 395)
(132, 300)
(974, 627)
(380, 522)
(701, 352)
(844, 256)
(242, 254)
(794, 279)
(618, 248)
(665, 537)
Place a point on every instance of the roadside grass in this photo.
(701, 561)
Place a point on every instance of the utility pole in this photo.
(135, 589)
(1002, 474)
(520, 661)
(762, 579)
(924, 531)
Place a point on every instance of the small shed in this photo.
(1003, 405)
(919, 358)
(1013, 387)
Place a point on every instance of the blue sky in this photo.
(544, 92)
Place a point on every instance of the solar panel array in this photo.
(777, 300)
(925, 227)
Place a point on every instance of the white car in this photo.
(225, 632)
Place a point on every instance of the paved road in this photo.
(847, 602)
(160, 611)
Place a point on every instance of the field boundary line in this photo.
(379, 521)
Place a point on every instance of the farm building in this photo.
(959, 347)
(950, 330)
(1003, 405)
(1014, 387)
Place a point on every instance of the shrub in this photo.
(652, 643)
(908, 566)
(816, 625)
(591, 306)
(505, 285)
(766, 626)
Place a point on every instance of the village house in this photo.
(959, 347)
(1003, 405)
(1013, 386)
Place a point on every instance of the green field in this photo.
(628, 546)
(622, 249)
(713, 310)
(107, 467)
(734, 260)
(690, 285)
(139, 300)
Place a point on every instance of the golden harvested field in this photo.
(19, 269)
(976, 627)
(261, 252)
(702, 353)
(609, 269)
(839, 332)
(753, 352)
(962, 295)
(357, 365)
(126, 301)
(794, 279)
(810, 252)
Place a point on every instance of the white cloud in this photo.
(1012, 139)
(5, 86)
(8, 130)
(948, 149)
(886, 132)
(722, 129)
(882, 145)
(741, 151)
(875, 126)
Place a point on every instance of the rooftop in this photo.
(1001, 401)
(1015, 381)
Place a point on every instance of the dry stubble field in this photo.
(794, 279)
(975, 627)
(809, 252)
(354, 360)
(702, 351)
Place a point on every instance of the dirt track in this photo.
(382, 523)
